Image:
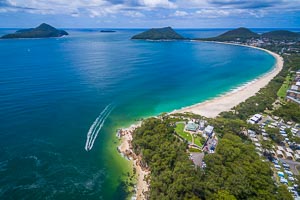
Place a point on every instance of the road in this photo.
(292, 164)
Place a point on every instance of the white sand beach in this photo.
(211, 108)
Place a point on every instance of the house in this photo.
(279, 154)
(297, 157)
(191, 126)
(289, 156)
(280, 148)
(209, 130)
(289, 150)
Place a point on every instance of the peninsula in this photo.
(42, 31)
(166, 33)
(243, 35)
(229, 115)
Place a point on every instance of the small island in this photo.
(107, 31)
(166, 33)
(42, 31)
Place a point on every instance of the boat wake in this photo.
(97, 126)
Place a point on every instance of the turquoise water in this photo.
(52, 90)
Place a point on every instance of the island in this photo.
(107, 31)
(166, 33)
(42, 31)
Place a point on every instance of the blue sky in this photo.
(151, 13)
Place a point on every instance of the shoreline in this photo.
(126, 150)
(209, 108)
(225, 102)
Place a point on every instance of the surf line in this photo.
(97, 126)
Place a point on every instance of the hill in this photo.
(239, 34)
(166, 33)
(42, 31)
(281, 35)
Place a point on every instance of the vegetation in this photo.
(281, 35)
(166, 33)
(243, 34)
(42, 31)
(284, 87)
(235, 171)
(240, 34)
(180, 131)
(289, 111)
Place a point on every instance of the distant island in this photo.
(108, 31)
(166, 33)
(42, 31)
(243, 34)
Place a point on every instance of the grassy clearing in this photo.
(198, 141)
(285, 86)
(180, 131)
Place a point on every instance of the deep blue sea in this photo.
(53, 90)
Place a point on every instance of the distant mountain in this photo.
(42, 31)
(239, 34)
(281, 35)
(166, 33)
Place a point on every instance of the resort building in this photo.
(202, 125)
(191, 126)
(209, 130)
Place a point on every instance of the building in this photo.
(293, 94)
(202, 125)
(191, 126)
(297, 157)
(289, 156)
(255, 118)
(209, 130)
(279, 154)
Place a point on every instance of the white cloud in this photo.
(157, 3)
(133, 14)
(179, 13)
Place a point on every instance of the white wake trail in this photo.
(99, 129)
(96, 124)
(94, 127)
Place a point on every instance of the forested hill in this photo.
(234, 171)
(281, 35)
(240, 34)
(244, 34)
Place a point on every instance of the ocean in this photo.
(54, 90)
